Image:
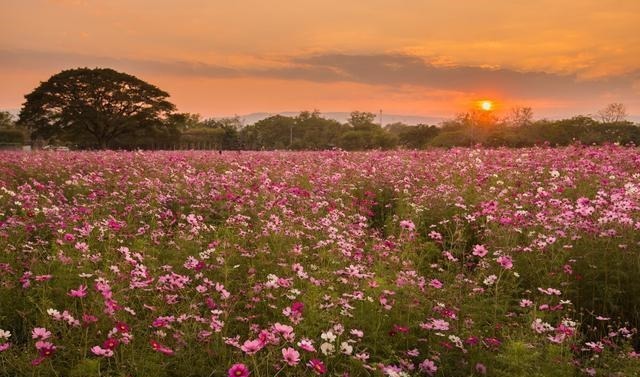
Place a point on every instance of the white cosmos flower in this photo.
(327, 348)
(5, 334)
(328, 336)
(346, 348)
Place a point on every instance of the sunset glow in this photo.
(429, 58)
(486, 105)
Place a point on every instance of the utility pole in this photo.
(380, 118)
(290, 135)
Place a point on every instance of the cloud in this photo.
(47, 60)
(394, 69)
(389, 70)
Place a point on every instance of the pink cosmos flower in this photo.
(480, 251)
(238, 370)
(306, 345)
(408, 225)
(297, 307)
(398, 329)
(291, 356)
(110, 343)
(435, 324)
(99, 351)
(40, 333)
(80, 292)
(428, 367)
(88, 319)
(525, 303)
(435, 283)
(123, 327)
(357, 333)
(161, 348)
(505, 261)
(492, 342)
(317, 366)
(45, 349)
(252, 346)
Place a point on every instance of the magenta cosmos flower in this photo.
(317, 366)
(238, 370)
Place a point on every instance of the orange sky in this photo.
(418, 57)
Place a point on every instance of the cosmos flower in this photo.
(479, 251)
(290, 356)
(317, 366)
(238, 370)
(99, 351)
(252, 346)
(80, 292)
(428, 366)
(39, 333)
(505, 261)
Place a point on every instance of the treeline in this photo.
(100, 108)
(311, 131)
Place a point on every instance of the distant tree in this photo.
(477, 119)
(397, 128)
(412, 137)
(9, 134)
(6, 119)
(230, 122)
(312, 131)
(273, 132)
(362, 121)
(184, 121)
(614, 112)
(520, 116)
(96, 104)
(363, 133)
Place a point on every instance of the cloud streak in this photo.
(389, 70)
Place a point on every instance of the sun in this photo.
(486, 105)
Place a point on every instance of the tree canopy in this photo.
(95, 106)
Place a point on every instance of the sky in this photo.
(415, 57)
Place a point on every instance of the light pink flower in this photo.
(80, 292)
(290, 356)
(480, 251)
(428, 367)
(99, 351)
(40, 333)
(252, 346)
(306, 345)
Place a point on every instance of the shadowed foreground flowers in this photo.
(461, 262)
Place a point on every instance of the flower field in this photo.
(461, 262)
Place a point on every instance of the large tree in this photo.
(98, 104)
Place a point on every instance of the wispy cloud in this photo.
(390, 70)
